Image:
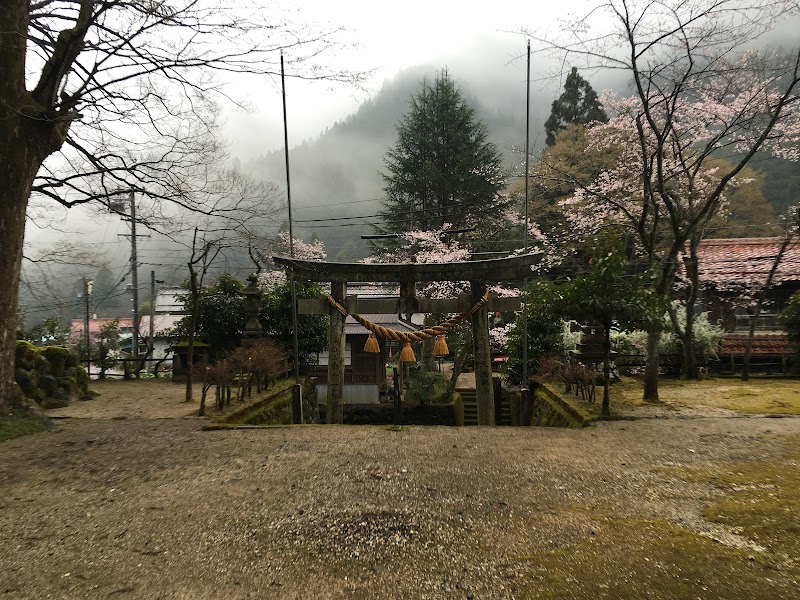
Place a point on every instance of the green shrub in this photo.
(49, 375)
(545, 331)
(707, 338)
(427, 387)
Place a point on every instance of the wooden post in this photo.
(336, 349)
(483, 357)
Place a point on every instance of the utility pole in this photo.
(151, 337)
(291, 233)
(134, 278)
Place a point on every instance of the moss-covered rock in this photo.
(26, 355)
(27, 380)
(79, 374)
(41, 364)
(48, 384)
(50, 376)
(57, 357)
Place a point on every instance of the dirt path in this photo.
(110, 507)
(144, 398)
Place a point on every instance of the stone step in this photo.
(470, 400)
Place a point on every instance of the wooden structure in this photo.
(726, 267)
(478, 273)
(365, 375)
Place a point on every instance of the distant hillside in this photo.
(338, 174)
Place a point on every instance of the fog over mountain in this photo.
(338, 175)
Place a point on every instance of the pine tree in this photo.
(442, 168)
(577, 104)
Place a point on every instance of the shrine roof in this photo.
(353, 327)
(740, 259)
(764, 343)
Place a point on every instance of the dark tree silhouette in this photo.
(442, 168)
(577, 104)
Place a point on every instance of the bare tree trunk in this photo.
(690, 367)
(195, 292)
(16, 178)
(27, 137)
(458, 364)
(690, 370)
(651, 367)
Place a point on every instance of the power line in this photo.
(339, 203)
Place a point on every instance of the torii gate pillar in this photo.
(484, 389)
(336, 351)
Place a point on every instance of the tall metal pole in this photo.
(134, 277)
(291, 232)
(87, 338)
(151, 337)
(527, 163)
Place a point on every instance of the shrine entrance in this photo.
(474, 306)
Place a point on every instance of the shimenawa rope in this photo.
(409, 336)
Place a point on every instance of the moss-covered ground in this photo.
(757, 396)
(756, 498)
(632, 558)
(17, 424)
(759, 498)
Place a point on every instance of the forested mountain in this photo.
(338, 175)
(336, 179)
(781, 181)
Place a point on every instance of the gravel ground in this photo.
(111, 505)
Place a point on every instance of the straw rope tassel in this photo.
(372, 345)
(407, 354)
(440, 347)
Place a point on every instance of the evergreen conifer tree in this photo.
(442, 168)
(577, 104)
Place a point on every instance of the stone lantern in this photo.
(252, 294)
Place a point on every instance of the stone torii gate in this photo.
(478, 273)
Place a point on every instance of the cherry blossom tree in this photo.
(698, 92)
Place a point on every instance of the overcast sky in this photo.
(463, 35)
(475, 40)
